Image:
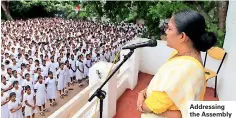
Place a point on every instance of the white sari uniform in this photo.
(4, 109)
(51, 88)
(79, 75)
(73, 66)
(61, 76)
(86, 69)
(40, 94)
(67, 76)
(30, 100)
(14, 105)
(53, 68)
(18, 93)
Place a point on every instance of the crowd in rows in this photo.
(43, 57)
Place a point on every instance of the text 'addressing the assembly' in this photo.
(211, 109)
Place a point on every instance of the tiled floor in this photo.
(126, 104)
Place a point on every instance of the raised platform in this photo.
(126, 104)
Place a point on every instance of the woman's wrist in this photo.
(143, 93)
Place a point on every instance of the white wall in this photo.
(227, 81)
(151, 58)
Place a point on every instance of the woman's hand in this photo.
(141, 98)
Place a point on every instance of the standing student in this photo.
(27, 81)
(4, 104)
(19, 92)
(40, 90)
(51, 88)
(72, 69)
(44, 69)
(30, 103)
(53, 66)
(80, 70)
(86, 66)
(38, 73)
(6, 86)
(14, 106)
(67, 77)
(107, 56)
(15, 77)
(61, 76)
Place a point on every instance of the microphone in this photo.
(150, 43)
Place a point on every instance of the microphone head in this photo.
(153, 43)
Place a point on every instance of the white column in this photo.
(109, 103)
(227, 81)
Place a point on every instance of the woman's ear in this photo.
(183, 37)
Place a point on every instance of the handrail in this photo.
(75, 104)
(86, 108)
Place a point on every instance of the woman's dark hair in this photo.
(12, 94)
(193, 25)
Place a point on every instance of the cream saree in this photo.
(182, 78)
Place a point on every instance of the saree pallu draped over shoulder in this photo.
(182, 79)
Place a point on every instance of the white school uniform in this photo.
(44, 71)
(35, 78)
(30, 72)
(4, 87)
(107, 57)
(73, 66)
(18, 78)
(51, 88)
(30, 83)
(14, 105)
(61, 76)
(4, 109)
(79, 75)
(30, 100)
(67, 76)
(86, 69)
(40, 94)
(53, 68)
(102, 57)
(18, 92)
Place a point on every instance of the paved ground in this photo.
(61, 102)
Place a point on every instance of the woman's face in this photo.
(172, 35)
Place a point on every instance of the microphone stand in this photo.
(101, 94)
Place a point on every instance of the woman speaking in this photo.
(181, 78)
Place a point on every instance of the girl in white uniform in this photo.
(30, 102)
(4, 104)
(61, 76)
(53, 66)
(80, 69)
(51, 88)
(6, 86)
(87, 63)
(27, 81)
(40, 89)
(14, 106)
(19, 92)
(67, 77)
